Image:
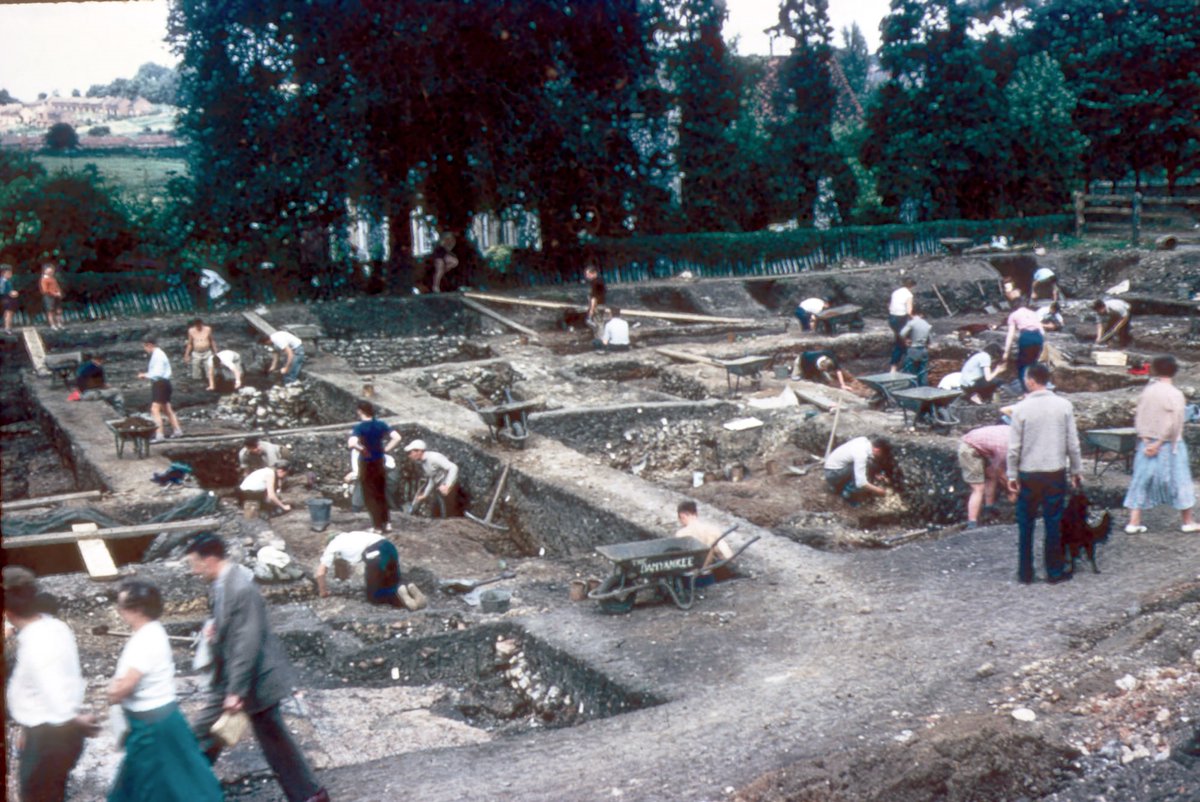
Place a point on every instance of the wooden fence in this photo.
(1138, 214)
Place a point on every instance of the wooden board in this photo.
(262, 326)
(96, 559)
(512, 324)
(625, 311)
(45, 501)
(685, 356)
(115, 533)
(36, 349)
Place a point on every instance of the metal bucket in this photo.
(319, 512)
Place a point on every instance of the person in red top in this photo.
(52, 296)
(983, 458)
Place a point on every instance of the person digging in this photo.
(381, 569)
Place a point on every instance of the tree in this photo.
(1047, 149)
(1132, 67)
(62, 136)
(99, 130)
(936, 142)
(6, 98)
(854, 59)
(804, 100)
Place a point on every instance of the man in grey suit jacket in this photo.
(251, 673)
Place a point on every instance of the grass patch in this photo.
(136, 174)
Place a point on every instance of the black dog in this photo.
(1078, 535)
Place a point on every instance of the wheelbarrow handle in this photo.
(731, 557)
(725, 534)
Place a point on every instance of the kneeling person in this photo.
(380, 560)
(850, 467)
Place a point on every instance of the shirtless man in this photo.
(706, 532)
(201, 345)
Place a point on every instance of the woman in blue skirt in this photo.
(1161, 474)
(163, 762)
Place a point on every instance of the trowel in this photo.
(468, 585)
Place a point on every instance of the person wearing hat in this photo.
(45, 691)
(262, 486)
(440, 473)
(381, 564)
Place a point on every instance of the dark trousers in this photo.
(373, 476)
(47, 759)
(381, 564)
(916, 362)
(896, 323)
(278, 746)
(1049, 490)
(984, 389)
(1029, 350)
(805, 317)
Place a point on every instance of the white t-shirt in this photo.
(1043, 274)
(160, 366)
(856, 452)
(149, 651)
(899, 304)
(814, 306)
(348, 546)
(975, 368)
(257, 481)
(1117, 307)
(285, 339)
(46, 686)
(616, 332)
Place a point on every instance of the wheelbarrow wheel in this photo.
(618, 605)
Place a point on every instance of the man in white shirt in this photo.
(441, 474)
(231, 361)
(45, 692)
(261, 487)
(1112, 320)
(292, 349)
(808, 309)
(158, 371)
(900, 309)
(381, 564)
(1045, 285)
(615, 336)
(850, 467)
(979, 374)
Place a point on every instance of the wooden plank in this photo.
(625, 312)
(684, 356)
(45, 501)
(238, 437)
(96, 559)
(263, 327)
(114, 533)
(36, 350)
(512, 324)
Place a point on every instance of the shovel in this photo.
(468, 585)
(102, 629)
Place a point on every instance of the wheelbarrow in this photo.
(134, 430)
(928, 404)
(669, 565)
(1119, 443)
(508, 422)
(885, 385)
(748, 366)
(849, 315)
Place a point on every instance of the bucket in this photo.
(579, 590)
(319, 512)
(495, 601)
(782, 371)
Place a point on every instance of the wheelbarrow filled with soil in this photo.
(669, 566)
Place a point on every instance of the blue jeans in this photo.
(1049, 489)
(805, 318)
(1029, 350)
(293, 374)
(916, 362)
(896, 323)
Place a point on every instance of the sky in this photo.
(46, 47)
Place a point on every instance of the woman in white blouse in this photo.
(163, 761)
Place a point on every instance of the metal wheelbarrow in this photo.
(508, 422)
(134, 430)
(1119, 443)
(748, 366)
(669, 565)
(928, 404)
(885, 385)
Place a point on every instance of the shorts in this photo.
(50, 303)
(11, 304)
(974, 466)
(160, 391)
(201, 361)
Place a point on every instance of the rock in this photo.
(1127, 683)
(985, 670)
(1024, 714)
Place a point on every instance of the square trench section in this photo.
(373, 692)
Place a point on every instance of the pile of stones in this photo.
(276, 408)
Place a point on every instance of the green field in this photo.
(144, 176)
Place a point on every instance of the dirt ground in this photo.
(875, 653)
